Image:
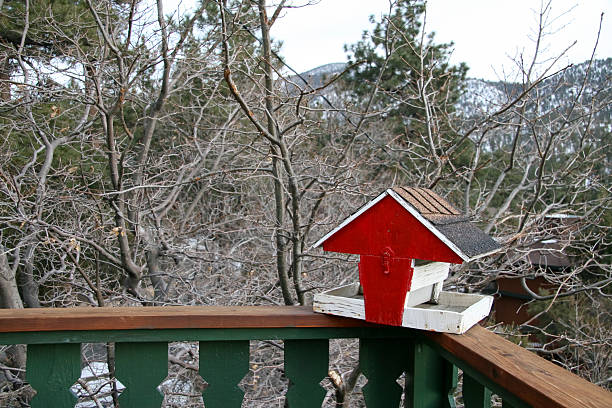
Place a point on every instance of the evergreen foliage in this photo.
(397, 56)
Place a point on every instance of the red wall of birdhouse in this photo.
(389, 225)
(385, 288)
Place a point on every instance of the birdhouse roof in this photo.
(438, 216)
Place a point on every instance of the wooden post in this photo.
(430, 379)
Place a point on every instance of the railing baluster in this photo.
(450, 384)
(382, 361)
(51, 370)
(475, 395)
(489, 363)
(222, 365)
(430, 380)
(507, 404)
(141, 367)
(306, 364)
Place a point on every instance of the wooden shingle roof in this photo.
(449, 221)
(439, 216)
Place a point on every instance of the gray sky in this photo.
(487, 33)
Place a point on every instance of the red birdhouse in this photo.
(389, 233)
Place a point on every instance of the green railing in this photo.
(489, 363)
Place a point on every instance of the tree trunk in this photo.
(10, 299)
(25, 280)
(5, 77)
(279, 199)
(9, 293)
(159, 285)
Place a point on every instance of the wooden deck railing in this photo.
(490, 364)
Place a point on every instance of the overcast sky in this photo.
(486, 33)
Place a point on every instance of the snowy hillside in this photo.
(485, 97)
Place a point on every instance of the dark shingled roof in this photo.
(449, 221)
(548, 253)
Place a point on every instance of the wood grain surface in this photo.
(168, 317)
(533, 379)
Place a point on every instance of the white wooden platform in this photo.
(454, 313)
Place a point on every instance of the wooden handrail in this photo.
(168, 317)
(534, 380)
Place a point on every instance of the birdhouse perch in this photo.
(406, 238)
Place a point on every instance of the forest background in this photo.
(151, 158)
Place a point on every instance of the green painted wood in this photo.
(383, 361)
(306, 365)
(169, 335)
(51, 370)
(430, 379)
(223, 364)
(141, 368)
(166, 335)
(506, 396)
(451, 374)
(475, 395)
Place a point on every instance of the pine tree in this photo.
(405, 62)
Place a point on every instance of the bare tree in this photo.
(150, 157)
(536, 157)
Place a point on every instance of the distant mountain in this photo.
(482, 97)
(559, 91)
(318, 76)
